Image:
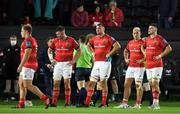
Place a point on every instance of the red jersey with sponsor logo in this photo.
(30, 42)
(64, 48)
(134, 47)
(154, 47)
(102, 46)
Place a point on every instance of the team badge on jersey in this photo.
(68, 45)
(28, 44)
(105, 42)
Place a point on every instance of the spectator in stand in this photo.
(79, 17)
(166, 14)
(96, 17)
(113, 15)
(64, 12)
(48, 11)
(3, 11)
(15, 9)
(28, 13)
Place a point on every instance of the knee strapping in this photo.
(146, 87)
(154, 79)
(138, 85)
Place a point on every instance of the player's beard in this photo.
(101, 33)
(136, 38)
(150, 33)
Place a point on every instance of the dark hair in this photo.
(28, 28)
(82, 39)
(100, 24)
(79, 5)
(100, 8)
(13, 36)
(154, 25)
(60, 28)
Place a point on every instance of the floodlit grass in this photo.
(166, 107)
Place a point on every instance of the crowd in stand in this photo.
(64, 12)
(86, 13)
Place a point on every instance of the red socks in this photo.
(22, 102)
(43, 97)
(104, 97)
(67, 95)
(55, 95)
(88, 98)
(155, 94)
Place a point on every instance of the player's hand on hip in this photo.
(72, 62)
(139, 61)
(157, 57)
(53, 62)
(19, 69)
(127, 61)
(107, 55)
(48, 65)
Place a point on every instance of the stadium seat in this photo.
(177, 22)
(121, 3)
(141, 12)
(128, 3)
(144, 22)
(144, 4)
(153, 3)
(127, 22)
(127, 12)
(136, 3)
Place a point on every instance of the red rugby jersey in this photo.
(102, 46)
(30, 42)
(64, 48)
(154, 47)
(134, 47)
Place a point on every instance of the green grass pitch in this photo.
(167, 107)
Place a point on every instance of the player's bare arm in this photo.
(166, 51)
(140, 60)
(76, 56)
(50, 55)
(90, 48)
(143, 50)
(116, 47)
(93, 60)
(126, 55)
(24, 59)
